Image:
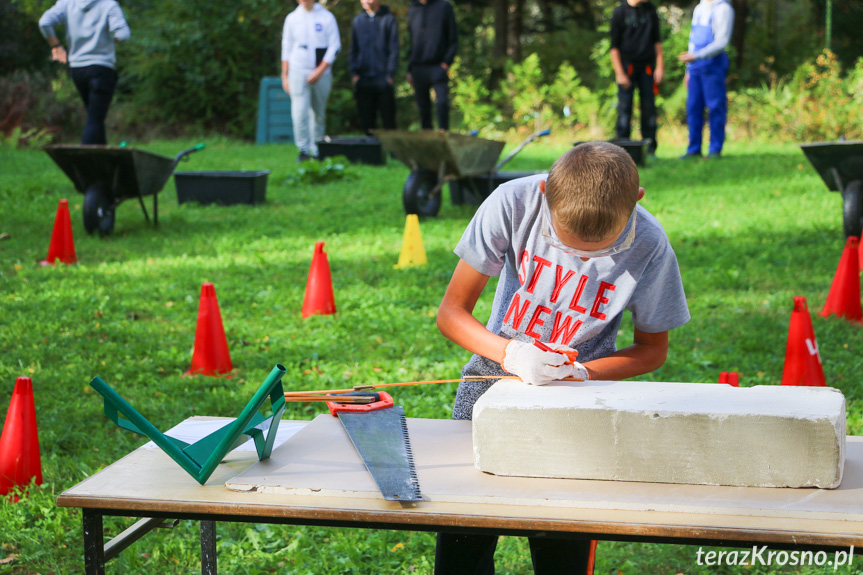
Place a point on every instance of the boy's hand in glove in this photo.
(535, 366)
(578, 370)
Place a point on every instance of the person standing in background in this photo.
(706, 67)
(92, 28)
(310, 43)
(434, 42)
(373, 62)
(636, 54)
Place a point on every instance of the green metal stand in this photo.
(200, 459)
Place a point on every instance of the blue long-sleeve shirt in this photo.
(92, 26)
(722, 25)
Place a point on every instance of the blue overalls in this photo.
(706, 88)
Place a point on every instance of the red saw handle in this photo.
(385, 401)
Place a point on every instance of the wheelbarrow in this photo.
(840, 165)
(438, 157)
(110, 175)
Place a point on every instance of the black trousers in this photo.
(641, 76)
(474, 555)
(373, 100)
(96, 86)
(428, 78)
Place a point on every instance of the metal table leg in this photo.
(94, 547)
(208, 547)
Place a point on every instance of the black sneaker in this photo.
(690, 157)
(713, 156)
(303, 157)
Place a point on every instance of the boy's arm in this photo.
(647, 353)
(620, 76)
(659, 73)
(117, 24)
(393, 56)
(455, 318)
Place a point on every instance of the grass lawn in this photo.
(751, 231)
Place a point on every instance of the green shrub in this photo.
(818, 102)
(200, 63)
(36, 109)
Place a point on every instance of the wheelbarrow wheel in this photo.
(852, 209)
(98, 213)
(419, 195)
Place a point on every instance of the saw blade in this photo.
(381, 438)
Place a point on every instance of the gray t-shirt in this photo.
(546, 294)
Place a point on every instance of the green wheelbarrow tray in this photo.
(201, 458)
(437, 157)
(458, 155)
(110, 175)
(840, 165)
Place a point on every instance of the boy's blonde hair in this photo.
(592, 190)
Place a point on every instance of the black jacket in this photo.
(635, 32)
(434, 37)
(374, 53)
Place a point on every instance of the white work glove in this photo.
(578, 370)
(534, 366)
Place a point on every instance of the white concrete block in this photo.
(710, 434)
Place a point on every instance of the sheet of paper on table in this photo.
(195, 428)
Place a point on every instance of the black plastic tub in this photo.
(224, 188)
(473, 190)
(637, 149)
(365, 150)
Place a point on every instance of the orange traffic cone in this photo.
(860, 253)
(730, 377)
(802, 360)
(319, 298)
(62, 244)
(211, 355)
(844, 296)
(19, 444)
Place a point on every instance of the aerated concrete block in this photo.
(711, 434)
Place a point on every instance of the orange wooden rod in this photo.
(377, 385)
(339, 399)
(374, 386)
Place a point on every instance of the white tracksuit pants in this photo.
(309, 109)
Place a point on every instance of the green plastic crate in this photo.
(274, 113)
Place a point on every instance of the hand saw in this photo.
(379, 433)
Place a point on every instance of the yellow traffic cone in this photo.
(413, 252)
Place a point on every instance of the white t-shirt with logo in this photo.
(306, 31)
(546, 294)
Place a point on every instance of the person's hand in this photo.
(578, 370)
(314, 76)
(659, 74)
(623, 81)
(686, 57)
(445, 66)
(410, 79)
(686, 80)
(355, 78)
(286, 86)
(390, 81)
(58, 54)
(533, 365)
